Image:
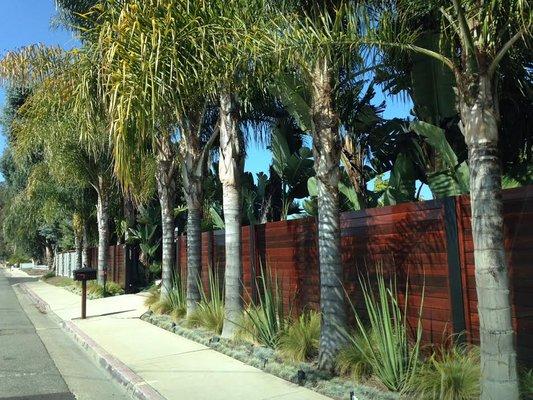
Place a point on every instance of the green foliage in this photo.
(267, 316)
(452, 178)
(144, 234)
(353, 358)
(17, 259)
(300, 340)
(174, 303)
(153, 296)
(209, 313)
(394, 357)
(526, 383)
(451, 374)
(48, 275)
(95, 290)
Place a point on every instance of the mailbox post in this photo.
(83, 275)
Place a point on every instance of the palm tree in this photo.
(226, 24)
(56, 114)
(309, 41)
(478, 36)
(159, 99)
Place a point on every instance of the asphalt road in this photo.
(38, 360)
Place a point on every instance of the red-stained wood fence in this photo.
(429, 244)
(122, 261)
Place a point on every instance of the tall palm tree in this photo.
(479, 35)
(58, 106)
(308, 36)
(225, 26)
(160, 99)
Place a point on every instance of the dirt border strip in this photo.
(134, 384)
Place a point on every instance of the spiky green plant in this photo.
(353, 358)
(452, 374)
(174, 303)
(393, 356)
(210, 311)
(526, 384)
(300, 340)
(267, 316)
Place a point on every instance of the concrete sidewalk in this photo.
(154, 363)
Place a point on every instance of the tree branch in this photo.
(466, 37)
(504, 50)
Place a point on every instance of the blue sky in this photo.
(25, 22)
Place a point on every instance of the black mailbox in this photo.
(84, 274)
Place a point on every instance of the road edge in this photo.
(120, 372)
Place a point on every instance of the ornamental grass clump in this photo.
(153, 296)
(450, 374)
(174, 303)
(383, 345)
(299, 342)
(209, 313)
(267, 317)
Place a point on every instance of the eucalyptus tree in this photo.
(309, 40)
(477, 36)
(68, 120)
(155, 92)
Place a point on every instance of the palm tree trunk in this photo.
(498, 355)
(85, 238)
(230, 172)
(102, 215)
(166, 188)
(78, 244)
(193, 190)
(129, 215)
(327, 154)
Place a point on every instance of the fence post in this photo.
(253, 261)
(454, 268)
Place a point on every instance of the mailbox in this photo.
(84, 274)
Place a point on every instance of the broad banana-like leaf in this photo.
(432, 83)
(345, 190)
(312, 186)
(454, 178)
(401, 182)
(351, 195)
(293, 168)
(218, 222)
(436, 138)
(292, 95)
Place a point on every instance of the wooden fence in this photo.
(427, 243)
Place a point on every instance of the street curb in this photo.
(120, 372)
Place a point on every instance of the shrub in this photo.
(451, 374)
(353, 358)
(174, 303)
(113, 289)
(393, 357)
(153, 296)
(267, 317)
(526, 384)
(210, 311)
(299, 342)
(96, 291)
(48, 275)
